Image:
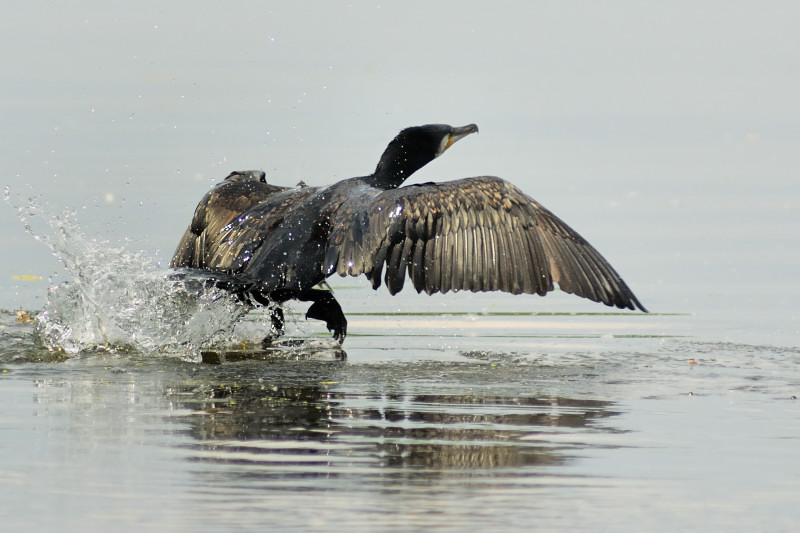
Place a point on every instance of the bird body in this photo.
(475, 234)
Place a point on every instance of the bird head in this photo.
(413, 148)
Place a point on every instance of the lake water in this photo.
(462, 412)
(666, 135)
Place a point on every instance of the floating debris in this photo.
(24, 317)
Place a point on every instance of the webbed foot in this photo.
(331, 312)
(324, 307)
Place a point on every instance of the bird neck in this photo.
(398, 162)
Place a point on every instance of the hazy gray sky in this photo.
(127, 111)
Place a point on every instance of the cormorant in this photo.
(273, 243)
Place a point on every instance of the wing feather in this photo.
(477, 234)
(203, 241)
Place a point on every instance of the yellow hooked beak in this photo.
(455, 135)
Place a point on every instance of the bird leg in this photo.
(324, 307)
(275, 314)
(277, 321)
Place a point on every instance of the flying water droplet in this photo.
(121, 300)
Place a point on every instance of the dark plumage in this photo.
(478, 234)
(219, 207)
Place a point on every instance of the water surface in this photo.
(666, 135)
(466, 422)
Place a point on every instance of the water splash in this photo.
(119, 300)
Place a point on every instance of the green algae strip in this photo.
(509, 313)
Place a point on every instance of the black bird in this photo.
(276, 243)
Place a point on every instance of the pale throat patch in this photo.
(444, 144)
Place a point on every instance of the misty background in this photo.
(666, 134)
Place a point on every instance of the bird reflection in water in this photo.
(293, 427)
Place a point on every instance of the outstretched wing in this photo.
(476, 234)
(219, 207)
